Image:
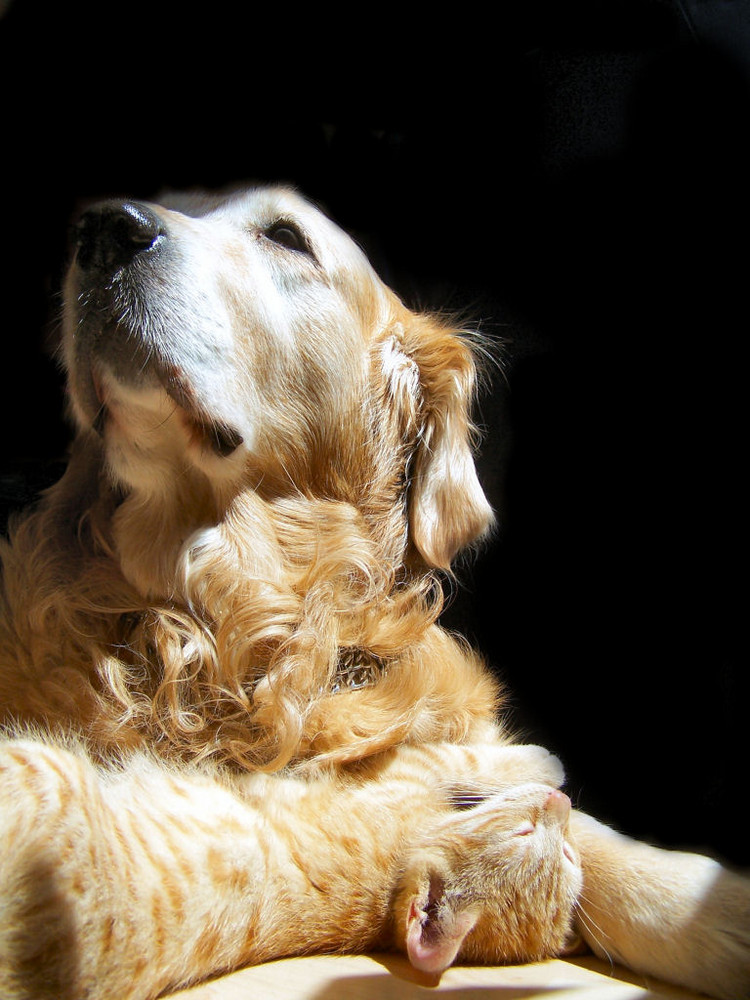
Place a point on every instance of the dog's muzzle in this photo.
(122, 252)
(110, 235)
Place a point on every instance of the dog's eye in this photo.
(286, 234)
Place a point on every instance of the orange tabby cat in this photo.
(125, 882)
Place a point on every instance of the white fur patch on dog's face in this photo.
(210, 345)
(221, 344)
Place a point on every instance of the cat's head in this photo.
(494, 883)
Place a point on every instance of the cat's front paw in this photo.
(720, 933)
(526, 762)
(678, 916)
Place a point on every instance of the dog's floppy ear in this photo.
(447, 507)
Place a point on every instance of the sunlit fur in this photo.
(163, 593)
(125, 882)
(271, 474)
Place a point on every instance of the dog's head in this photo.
(245, 342)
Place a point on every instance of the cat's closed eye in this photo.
(466, 800)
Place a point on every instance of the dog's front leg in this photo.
(676, 916)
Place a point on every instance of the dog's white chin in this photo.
(150, 438)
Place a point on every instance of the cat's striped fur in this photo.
(123, 882)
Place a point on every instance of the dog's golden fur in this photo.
(164, 593)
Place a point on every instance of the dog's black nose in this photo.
(109, 235)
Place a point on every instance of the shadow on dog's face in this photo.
(213, 331)
(220, 344)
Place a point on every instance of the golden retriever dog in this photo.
(241, 567)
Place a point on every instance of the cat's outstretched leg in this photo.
(468, 770)
(677, 916)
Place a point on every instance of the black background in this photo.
(574, 177)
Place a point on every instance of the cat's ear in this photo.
(436, 928)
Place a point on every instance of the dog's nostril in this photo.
(110, 235)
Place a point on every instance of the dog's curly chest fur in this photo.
(273, 458)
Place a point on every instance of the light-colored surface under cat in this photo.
(390, 977)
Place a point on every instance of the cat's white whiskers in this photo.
(591, 925)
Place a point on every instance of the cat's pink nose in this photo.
(558, 804)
